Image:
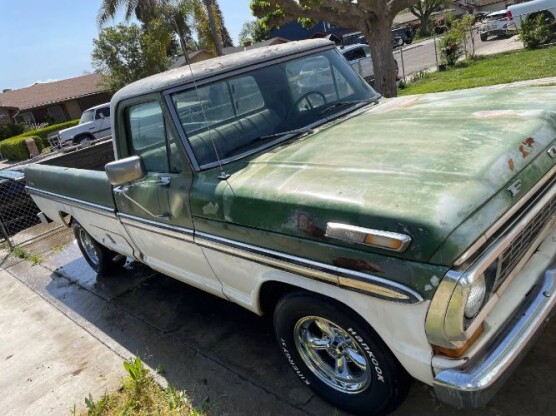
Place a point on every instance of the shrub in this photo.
(15, 148)
(534, 31)
(11, 130)
(45, 131)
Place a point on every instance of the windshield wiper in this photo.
(346, 103)
(286, 133)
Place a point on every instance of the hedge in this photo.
(14, 148)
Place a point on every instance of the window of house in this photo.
(26, 118)
(56, 113)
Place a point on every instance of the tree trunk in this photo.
(425, 20)
(378, 32)
(213, 27)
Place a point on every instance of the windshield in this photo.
(87, 116)
(496, 16)
(233, 117)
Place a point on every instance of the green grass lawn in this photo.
(490, 70)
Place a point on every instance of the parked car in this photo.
(93, 124)
(17, 209)
(531, 9)
(406, 33)
(497, 24)
(388, 238)
(359, 57)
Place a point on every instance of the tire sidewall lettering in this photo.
(289, 357)
(378, 370)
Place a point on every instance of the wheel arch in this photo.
(399, 326)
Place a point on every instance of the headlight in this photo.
(476, 297)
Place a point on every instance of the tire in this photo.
(378, 384)
(484, 38)
(101, 259)
(83, 139)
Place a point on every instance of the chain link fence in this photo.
(19, 223)
(493, 35)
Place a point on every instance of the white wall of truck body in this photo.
(521, 11)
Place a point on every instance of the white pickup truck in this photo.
(521, 11)
(93, 124)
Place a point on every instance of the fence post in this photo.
(435, 48)
(403, 64)
(5, 235)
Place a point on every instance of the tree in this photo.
(123, 54)
(253, 31)
(372, 17)
(210, 10)
(144, 10)
(224, 34)
(179, 14)
(423, 9)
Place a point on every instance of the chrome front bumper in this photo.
(477, 383)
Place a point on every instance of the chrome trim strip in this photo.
(357, 235)
(344, 278)
(89, 206)
(178, 233)
(502, 220)
(475, 385)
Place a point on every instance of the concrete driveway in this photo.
(224, 356)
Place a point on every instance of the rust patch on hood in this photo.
(357, 265)
(308, 226)
(511, 164)
(526, 147)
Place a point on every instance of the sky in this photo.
(46, 40)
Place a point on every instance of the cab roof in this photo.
(211, 67)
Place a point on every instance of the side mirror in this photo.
(126, 170)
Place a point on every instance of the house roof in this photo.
(41, 94)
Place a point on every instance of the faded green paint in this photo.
(435, 167)
(86, 185)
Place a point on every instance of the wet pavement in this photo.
(224, 356)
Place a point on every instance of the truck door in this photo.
(155, 210)
(102, 123)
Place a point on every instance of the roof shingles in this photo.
(41, 94)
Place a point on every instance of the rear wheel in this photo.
(484, 37)
(101, 259)
(83, 140)
(339, 356)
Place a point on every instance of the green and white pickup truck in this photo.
(390, 239)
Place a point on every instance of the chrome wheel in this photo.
(332, 354)
(89, 246)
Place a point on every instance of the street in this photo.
(421, 56)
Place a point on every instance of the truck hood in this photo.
(418, 165)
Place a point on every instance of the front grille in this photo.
(522, 243)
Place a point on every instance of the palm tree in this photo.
(210, 9)
(144, 10)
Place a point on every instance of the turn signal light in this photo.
(458, 353)
(377, 238)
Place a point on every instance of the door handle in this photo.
(164, 181)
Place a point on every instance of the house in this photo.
(56, 101)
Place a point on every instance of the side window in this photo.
(147, 135)
(103, 112)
